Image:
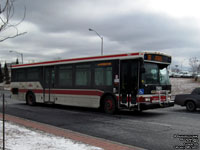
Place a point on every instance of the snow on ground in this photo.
(183, 85)
(21, 138)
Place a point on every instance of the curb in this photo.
(87, 139)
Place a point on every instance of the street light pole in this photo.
(101, 46)
(101, 37)
(22, 58)
(21, 54)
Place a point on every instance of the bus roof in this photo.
(88, 59)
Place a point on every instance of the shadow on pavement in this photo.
(183, 110)
(118, 114)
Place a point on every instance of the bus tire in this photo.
(109, 105)
(30, 99)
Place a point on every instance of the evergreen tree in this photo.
(6, 74)
(17, 61)
(1, 74)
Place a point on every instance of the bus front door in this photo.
(49, 78)
(128, 82)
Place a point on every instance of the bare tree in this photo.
(7, 11)
(195, 64)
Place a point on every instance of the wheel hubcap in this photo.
(30, 99)
(109, 104)
(190, 105)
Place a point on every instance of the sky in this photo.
(59, 29)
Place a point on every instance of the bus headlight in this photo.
(147, 99)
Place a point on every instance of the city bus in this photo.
(134, 81)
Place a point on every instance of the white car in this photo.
(177, 75)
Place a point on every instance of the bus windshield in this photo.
(155, 75)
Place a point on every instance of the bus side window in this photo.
(14, 75)
(33, 74)
(65, 76)
(53, 78)
(108, 76)
(99, 77)
(103, 76)
(83, 75)
(21, 75)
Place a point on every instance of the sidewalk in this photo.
(98, 142)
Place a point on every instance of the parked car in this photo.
(177, 75)
(185, 74)
(191, 101)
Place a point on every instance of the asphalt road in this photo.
(151, 129)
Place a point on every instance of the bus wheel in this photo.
(30, 99)
(109, 106)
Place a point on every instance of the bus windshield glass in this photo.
(154, 74)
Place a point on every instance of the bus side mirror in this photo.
(142, 70)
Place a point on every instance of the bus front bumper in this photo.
(145, 106)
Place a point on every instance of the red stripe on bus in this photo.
(75, 59)
(163, 98)
(153, 98)
(67, 92)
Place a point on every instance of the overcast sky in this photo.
(59, 28)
